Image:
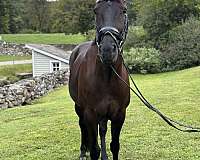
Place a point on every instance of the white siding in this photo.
(64, 65)
(42, 64)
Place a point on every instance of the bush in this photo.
(12, 79)
(143, 60)
(136, 37)
(28, 31)
(181, 49)
(90, 35)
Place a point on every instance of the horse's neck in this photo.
(105, 73)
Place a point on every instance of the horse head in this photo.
(111, 28)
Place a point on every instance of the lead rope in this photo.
(168, 120)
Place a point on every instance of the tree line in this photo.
(73, 16)
(69, 16)
(43, 16)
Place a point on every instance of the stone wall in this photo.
(24, 91)
(13, 49)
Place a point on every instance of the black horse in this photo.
(98, 94)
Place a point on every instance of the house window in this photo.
(55, 66)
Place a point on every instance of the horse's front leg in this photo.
(102, 132)
(116, 126)
(84, 134)
(84, 140)
(92, 128)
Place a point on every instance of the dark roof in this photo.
(51, 50)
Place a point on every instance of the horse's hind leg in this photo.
(116, 126)
(102, 132)
(84, 134)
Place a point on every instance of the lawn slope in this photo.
(4, 58)
(59, 38)
(12, 70)
(48, 129)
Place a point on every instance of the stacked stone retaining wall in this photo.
(25, 91)
(13, 49)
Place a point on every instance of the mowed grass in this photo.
(4, 58)
(12, 70)
(48, 129)
(59, 38)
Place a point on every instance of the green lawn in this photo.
(48, 129)
(59, 38)
(11, 70)
(4, 58)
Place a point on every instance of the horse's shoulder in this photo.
(80, 51)
(83, 46)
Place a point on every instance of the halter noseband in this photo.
(119, 37)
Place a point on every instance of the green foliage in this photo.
(28, 31)
(158, 17)
(143, 60)
(136, 37)
(90, 35)
(181, 46)
(12, 79)
(69, 16)
(4, 16)
(37, 15)
(48, 129)
(73, 16)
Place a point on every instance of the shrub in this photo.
(143, 60)
(136, 37)
(28, 31)
(90, 35)
(182, 47)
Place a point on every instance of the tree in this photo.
(37, 13)
(86, 16)
(73, 16)
(158, 17)
(4, 16)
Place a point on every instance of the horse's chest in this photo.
(103, 95)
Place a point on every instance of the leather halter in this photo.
(119, 37)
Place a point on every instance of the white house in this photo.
(47, 58)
